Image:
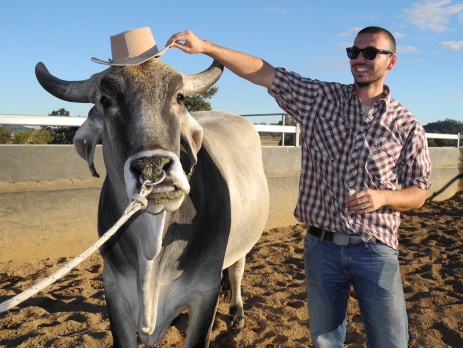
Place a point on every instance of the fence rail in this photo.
(458, 137)
(33, 120)
(67, 121)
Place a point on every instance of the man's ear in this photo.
(392, 62)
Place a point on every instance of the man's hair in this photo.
(379, 30)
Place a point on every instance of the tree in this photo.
(62, 135)
(289, 121)
(33, 136)
(290, 139)
(5, 135)
(197, 102)
(60, 112)
(448, 126)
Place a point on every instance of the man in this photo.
(358, 142)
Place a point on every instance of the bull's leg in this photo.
(123, 327)
(236, 313)
(202, 314)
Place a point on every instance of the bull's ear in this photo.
(190, 143)
(87, 137)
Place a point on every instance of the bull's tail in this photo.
(225, 289)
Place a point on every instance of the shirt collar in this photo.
(386, 98)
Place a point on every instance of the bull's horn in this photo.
(72, 91)
(198, 83)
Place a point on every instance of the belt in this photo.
(338, 238)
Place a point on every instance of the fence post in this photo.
(283, 122)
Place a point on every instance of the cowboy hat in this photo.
(132, 47)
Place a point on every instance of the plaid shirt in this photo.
(345, 151)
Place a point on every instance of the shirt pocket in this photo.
(329, 138)
(382, 162)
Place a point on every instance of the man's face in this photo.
(369, 72)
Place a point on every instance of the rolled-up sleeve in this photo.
(416, 163)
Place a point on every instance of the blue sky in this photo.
(305, 36)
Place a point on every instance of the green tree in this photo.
(60, 112)
(5, 135)
(197, 102)
(290, 139)
(448, 126)
(289, 121)
(62, 135)
(33, 136)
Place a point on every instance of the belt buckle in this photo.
(341, 238)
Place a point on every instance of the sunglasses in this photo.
(368, 53)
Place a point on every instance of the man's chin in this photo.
(362, 84)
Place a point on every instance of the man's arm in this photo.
(368, 200)
(244, 65)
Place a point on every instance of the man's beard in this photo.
(371, 80)
(367, 83)
(363, 84)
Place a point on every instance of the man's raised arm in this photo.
(244, 65)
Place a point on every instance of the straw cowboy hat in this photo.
(132, 47)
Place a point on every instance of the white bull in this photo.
(205, 215)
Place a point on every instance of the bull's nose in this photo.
(151, 168)
(149, 183)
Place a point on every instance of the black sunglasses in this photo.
(368, 53)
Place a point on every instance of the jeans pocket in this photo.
(384, 250)
(310, 242)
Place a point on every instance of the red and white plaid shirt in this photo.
(345, 151)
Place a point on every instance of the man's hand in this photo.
(188, 42)
(368, 200)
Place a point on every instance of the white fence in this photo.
(65, 121)
(457, 137)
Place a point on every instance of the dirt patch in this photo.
(72, 312)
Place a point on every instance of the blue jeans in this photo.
(373, 271)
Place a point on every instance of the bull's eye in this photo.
(180, 98)
(105, 102)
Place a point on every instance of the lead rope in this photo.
(138, 202)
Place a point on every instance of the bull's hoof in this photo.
(237, 323)
(236, 316)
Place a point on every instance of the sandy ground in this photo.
(72, 313)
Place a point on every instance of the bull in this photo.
(207, 211)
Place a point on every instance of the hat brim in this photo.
(151, 53)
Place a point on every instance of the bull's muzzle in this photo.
(165, 173)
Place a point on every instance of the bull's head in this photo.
(147, 133)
